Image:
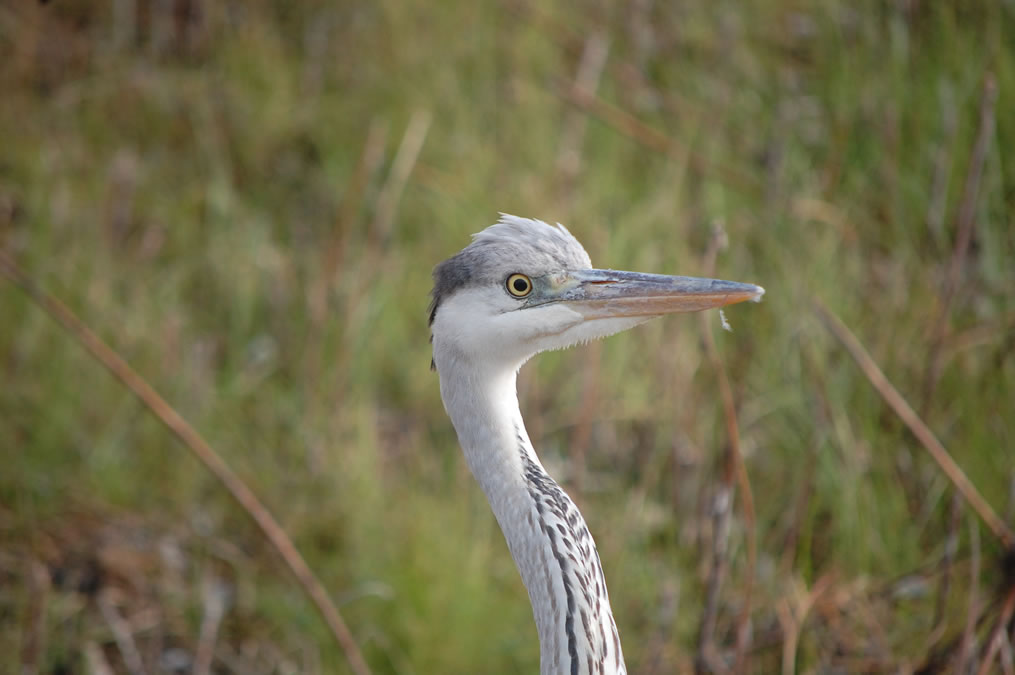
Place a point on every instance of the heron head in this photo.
(522, 287)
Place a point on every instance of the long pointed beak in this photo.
(601, 294)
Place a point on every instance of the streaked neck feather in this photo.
(545, 532)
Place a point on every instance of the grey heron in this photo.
(522, 287)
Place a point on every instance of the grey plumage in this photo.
(511, 245)
(522, 287)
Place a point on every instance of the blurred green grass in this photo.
(203, 187)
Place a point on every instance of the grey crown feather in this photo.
(511, 245)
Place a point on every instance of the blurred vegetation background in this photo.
(245, 199)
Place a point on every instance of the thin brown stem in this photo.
(792, 619)
(243, 495)
(96, 659)
(569, 165)
(999, 635)
(569, 153)
(401, 168)
(973, 613)
(965, 221)
(33, 631)
(947, 561)
(707, 657)
(215, 595)
(916, 425)
(734, 473)
(122, 635)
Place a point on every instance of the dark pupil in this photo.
(521, 285)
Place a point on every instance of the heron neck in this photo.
(546, 534)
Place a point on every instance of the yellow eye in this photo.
(519, 285)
